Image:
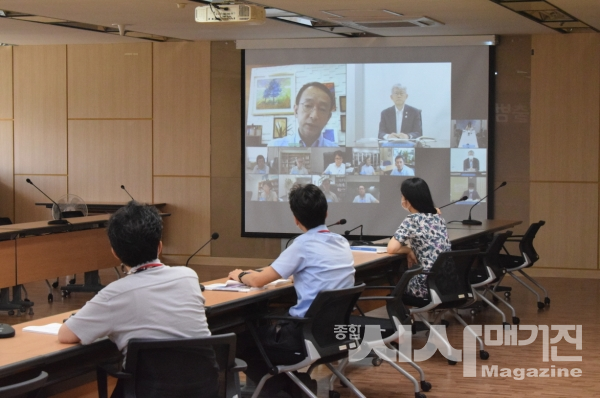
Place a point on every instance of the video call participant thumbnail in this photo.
(314, 103)
(261, 167)
(299, 168)
(471, 163)
(364, 196)
(338, 167)
(401, 169)
(400, 120)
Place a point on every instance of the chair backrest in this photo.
(28, 389)
(329, 309)
(448, 278)
(491, 257)
(526, 244)
(395, 307)
(180, 367)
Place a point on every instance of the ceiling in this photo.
(165, 18)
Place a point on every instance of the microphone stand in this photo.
(60, 220)
(456, 201)
(360, 240)
(477, 222)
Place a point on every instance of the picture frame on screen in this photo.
(274, 95)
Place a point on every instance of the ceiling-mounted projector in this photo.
(249, 14)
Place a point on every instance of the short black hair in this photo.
(260, 157)
(338, 153)
(398, 156)
(416, 191)
(134, 232)
(321, 87)
(309, 205)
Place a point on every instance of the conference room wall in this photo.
(40, 111)
(225, 178)
(104, 154)
(135, 112)
(110, 81)
(6, 100)
(565, 126)
(6, 169)
(512, 124)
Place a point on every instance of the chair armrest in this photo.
(239, 366)
(285, 318)
(379, 287)
(384, 298)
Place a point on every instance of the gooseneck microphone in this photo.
(51, 222)
(341, 222)
(123, 188)
(360, 240)
(214, 236)
(456, 201)
(476, 222)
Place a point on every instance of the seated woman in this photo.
(425, 231)
(268, 195)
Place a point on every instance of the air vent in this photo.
(400, 22)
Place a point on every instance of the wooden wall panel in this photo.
(570, 237)
(6, 169)
(8, 273)
(40, 111)
(188, 201)
(6, 83)
(511, 135)
(565, 100)
(26, 196)
(105, 154)
(182, 111)
(226, 214)
(110, 81)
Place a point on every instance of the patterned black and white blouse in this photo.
(428, 237)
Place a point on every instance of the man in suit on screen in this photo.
(401, 120)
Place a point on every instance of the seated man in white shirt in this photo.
(299, 168)
(401, 169)
(317, 260)
(154, 301)
(367, 168)
(337, 168)
(364, 197)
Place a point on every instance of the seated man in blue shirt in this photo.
(314, 103)
(317, 260)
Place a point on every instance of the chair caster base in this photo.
(484, 354)
(541, 305)
(425, 385)
(516, 320)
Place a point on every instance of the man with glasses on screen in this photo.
(400, 121)
(314, 103)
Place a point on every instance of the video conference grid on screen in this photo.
(359, 133)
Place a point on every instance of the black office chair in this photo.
(527, 258)
(398, 315)
(449, 289)
(486, 275)
(321, 346)
(31, 388)
(186, 367)
(17, 304)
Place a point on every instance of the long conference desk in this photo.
(32, 352)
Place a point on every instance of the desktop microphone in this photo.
(123, 188)
(456, 201)
(476, 222)
(60, 221)
(341, 222)
(360, 240)
(214, 236)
